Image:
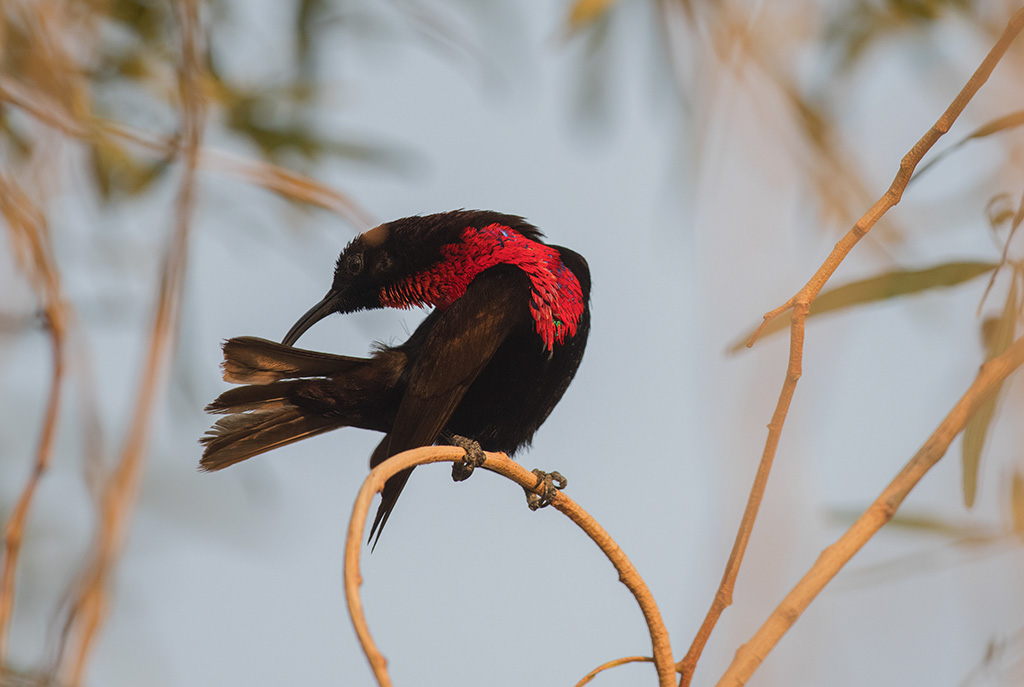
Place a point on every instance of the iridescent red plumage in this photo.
(556, 301)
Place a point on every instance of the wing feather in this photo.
(459, 344)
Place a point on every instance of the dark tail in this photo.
(291, 394)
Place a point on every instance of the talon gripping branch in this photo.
(510, 322)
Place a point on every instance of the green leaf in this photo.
(882, 287)
(998, 337)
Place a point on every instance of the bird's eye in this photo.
(354, 263)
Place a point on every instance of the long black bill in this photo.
(330, 303)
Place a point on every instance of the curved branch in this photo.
(505, 466)
(613, 664)
(832, 559)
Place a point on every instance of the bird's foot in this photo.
(549, 484)
(474, 458)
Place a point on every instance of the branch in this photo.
(613, 664)
(503, 465)
(27, 226)
(801, 303)
(88, 610)
(832, 559)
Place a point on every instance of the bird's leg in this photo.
(474, 458)
(549, 483)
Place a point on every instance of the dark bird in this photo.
(506, 335)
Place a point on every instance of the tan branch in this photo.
(120, 493)
(613, 664)
(27, 227)
(503, 465)
(830, 562)
(800, 304)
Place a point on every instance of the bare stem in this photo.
(801, 303)
(503, 465)
(27, 226)
(88, 611)
(613, 664)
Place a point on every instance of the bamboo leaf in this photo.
(882, 287)
(998, 338)
(1009, 121)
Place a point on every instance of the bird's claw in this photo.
(474, 458)
(549, 484)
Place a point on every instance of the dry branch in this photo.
(613, 664)
(27, 227)
(800, 304)
(750, 655)
(503, 465)
(120, 492)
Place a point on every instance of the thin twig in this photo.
(27, 226)
(613, 664)
(800, 304)
(121, 490)
(503, 465)
(830, 562)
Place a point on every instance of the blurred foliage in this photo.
(130, 69)
(861, 24)
(997, 334)
(585, 12)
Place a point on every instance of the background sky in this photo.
(695, 221)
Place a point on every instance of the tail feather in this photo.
(289, 394)
(251, 360)
(235, 438)
(254, 397)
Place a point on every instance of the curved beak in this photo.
(331, 303)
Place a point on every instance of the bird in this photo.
(509, 323)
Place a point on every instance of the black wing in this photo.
(457, 345)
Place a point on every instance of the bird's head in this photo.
(425, 260)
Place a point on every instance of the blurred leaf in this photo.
(996, 218)
(1014, 119)
(18, 145)
(116, 172)
(148, 20)
(882, 287)
(866, 22)
(997, 211)
(961, 533)
(585, 12)
(1017, 503)
(308, 18)
(998, 338)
